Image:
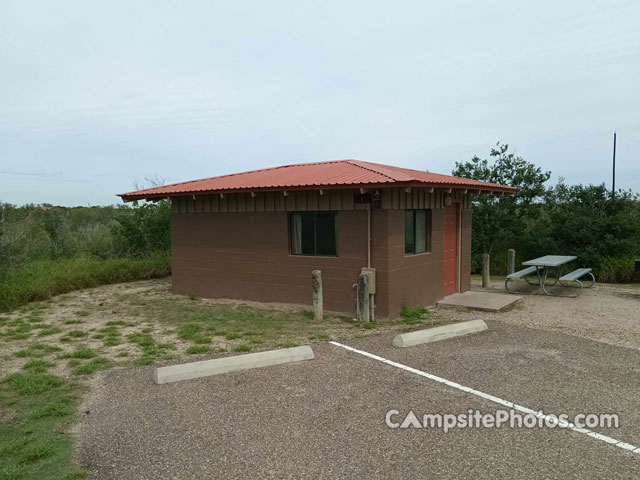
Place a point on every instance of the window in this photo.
(417, 231)
(313, 233)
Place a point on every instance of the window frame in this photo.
(428, 231)
(315, 234)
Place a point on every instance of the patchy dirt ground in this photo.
(606, 313)
(141, 323)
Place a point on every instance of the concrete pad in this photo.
(217, 366)
(488, 302)
(438, 333)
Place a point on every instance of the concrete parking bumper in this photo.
(217, 366)
(438, 333)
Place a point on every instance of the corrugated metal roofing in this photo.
(333, 174)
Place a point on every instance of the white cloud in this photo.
(114, 91)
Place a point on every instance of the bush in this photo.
(32, 233)
(53, 250)
(600, 227)
(616, 270)
(42, 279)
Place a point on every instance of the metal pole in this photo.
(613, 183)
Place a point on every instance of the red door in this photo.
(450, 248)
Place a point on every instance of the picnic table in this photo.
(545, 264)
(540, 267)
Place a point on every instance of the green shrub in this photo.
(600, 227)
(616, 270)
(42, 279)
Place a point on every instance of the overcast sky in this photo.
(96, 95)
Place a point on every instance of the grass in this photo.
(49, 330)
(42, 279)
(33, 444)
(33, 382)
(37, 365)
(614, 270)
(201, 339)
(83, 353)
(98, 363)
(189, 331)
(110, 335)
(147, 322)
(198, 322)
(319, 336)
(244, 347)
(151, 350)
(196, 349)
(37, 350)
(76, 334)
(72, 322)
(414, 316)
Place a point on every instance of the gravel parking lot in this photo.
(606, 313)
(325, 418)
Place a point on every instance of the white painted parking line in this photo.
(499, 401)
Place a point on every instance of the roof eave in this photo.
(471, 189)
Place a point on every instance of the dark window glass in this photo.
(308, 235)
(417, 231)
(313, 233)
(409, 232)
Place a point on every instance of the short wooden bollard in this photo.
(316, 287)
(363, 298)
(486, 277)
(511, 261)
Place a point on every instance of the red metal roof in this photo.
(306, 176)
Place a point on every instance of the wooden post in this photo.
(363, 298)
(511, 261)
(316, 287)
(486, 279)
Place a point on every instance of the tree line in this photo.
(599, 226)
(37, 232)
(47, 250)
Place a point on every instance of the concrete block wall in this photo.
(245, 255)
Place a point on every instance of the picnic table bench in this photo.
(524, 273)
(576, 275)
(540, 267)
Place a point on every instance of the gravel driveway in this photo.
(325, 418)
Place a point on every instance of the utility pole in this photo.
(613, 184)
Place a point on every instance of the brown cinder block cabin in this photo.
(258, 235)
